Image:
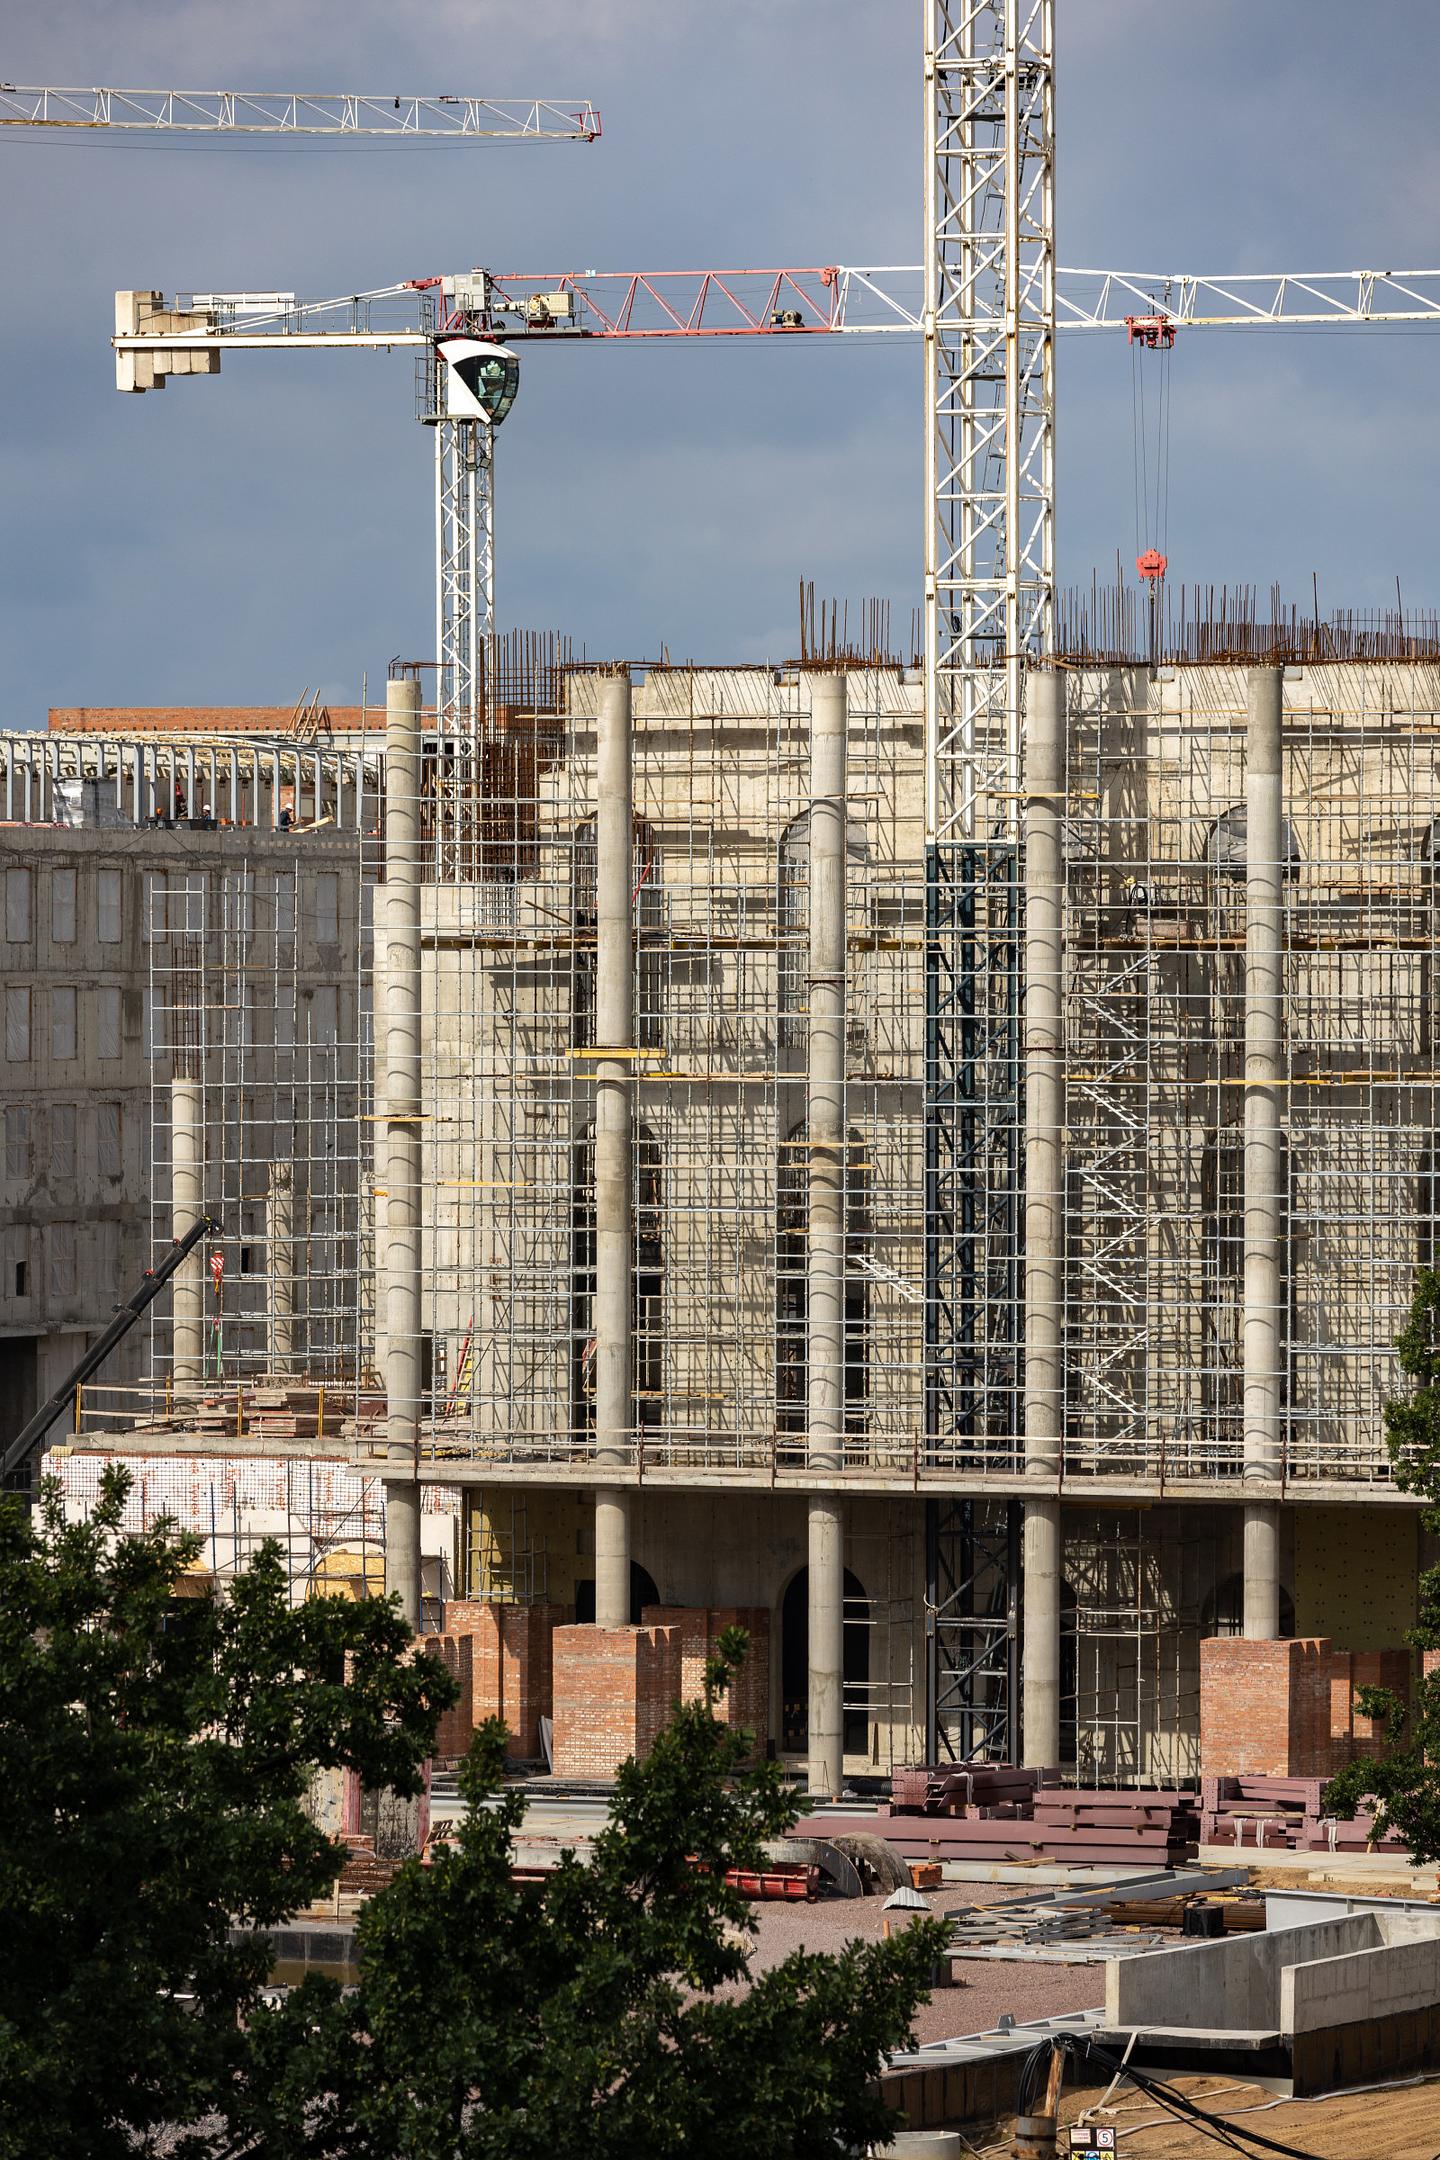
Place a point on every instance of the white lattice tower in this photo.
(464, 567)
(989, 326)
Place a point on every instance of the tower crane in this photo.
(302, 112)
(481, 317)
(474, 389)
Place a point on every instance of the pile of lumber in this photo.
(364, 1871)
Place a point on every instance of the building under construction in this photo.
(641, 1152)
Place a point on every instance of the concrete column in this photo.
(399, 1017)
(187, 1205)
(402, 1547)
(1041, 1556)
(825, 1770)
(613, 1313)
(280, 1265)
(825, 1243)
(1044, 1207)
(1264, 1156)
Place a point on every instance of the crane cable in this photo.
(1151, 472)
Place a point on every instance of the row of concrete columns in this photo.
(1043, 1400)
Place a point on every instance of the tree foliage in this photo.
(154, 1753)
(1405, 1782)
(600, 2012)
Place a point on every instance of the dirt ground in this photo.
(1401, 2122)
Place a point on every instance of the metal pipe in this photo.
(400, 1019)
(1264, 1454)
(612, 1316)
(825, 1243)
(1044, 1205)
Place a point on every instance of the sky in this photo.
(240, 540)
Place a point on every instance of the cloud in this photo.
(235, 539)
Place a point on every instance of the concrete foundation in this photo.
(1315, 2001)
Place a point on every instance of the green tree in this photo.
(154, 1754)
(1405, 1782)
(606, 2011)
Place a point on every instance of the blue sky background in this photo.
(231, 541)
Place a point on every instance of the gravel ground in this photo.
(1024, 1987)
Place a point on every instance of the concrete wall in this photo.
(1232, 1985)
(1355, 1575)
(1385, 1982)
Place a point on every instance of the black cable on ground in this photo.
(1187, 2110)
(1082, 2052)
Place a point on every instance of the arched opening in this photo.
(647, 1283)
(1222, 1213)
(1227, 846)
(1223, 1611)
(795, 1664)
(792, 1300)
(647, 896)
(642, 1593)
(792, 917)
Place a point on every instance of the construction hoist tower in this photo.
(989, 331)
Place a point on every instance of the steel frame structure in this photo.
(972, 1628)
(302, 112)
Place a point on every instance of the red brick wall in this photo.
(691, 1624)
(613, 1689)
(526, 1672)
(1374, 1668)
(511, 1664)
(1288, 1709)
(456, 1653)
(747, 1703)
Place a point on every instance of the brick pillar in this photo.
(479, 1622)
(613, 1688)
(1287, 1709)
(693, 1632)
(457, 1724)
(526, 1681)
(747, 1702)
